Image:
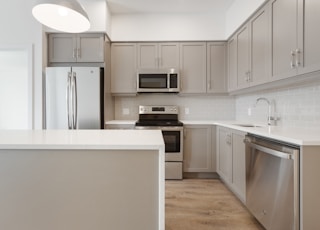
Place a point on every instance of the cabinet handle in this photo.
(292, 60)
(249, 76)
(298, 52)
(78, 53)
(74, 53)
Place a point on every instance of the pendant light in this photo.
(62, 15)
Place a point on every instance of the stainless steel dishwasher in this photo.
(272, 182)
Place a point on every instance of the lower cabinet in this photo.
(199, 148)
(231, 165)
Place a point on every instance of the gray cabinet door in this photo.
(260, 47)
(284, 38)
(239, 165)
(232, 64)
(216, 67)
(224, 154)
(309, 36)
(169, 55)
(123, 68)
(148, 56)
(90, 48)
(193, 60)
(158, 55)
(197, 149)
(243, 64)
(76, 48)
(62, 48)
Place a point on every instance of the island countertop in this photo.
(81, 139)
(82, 179)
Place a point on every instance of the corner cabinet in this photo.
(199, 148)
(249, 52)
(193, 67)
(76, 48)
(158, 55)
(231, 160)
(123, 68)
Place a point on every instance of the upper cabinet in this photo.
(295, 37)
(243, 58)
(216, 67)
(284, 38)
(193, 67)
(260, 47)
(279, 41)
(232, 64)
(295, 40)
(158, 55)
(308, 25)
(123, 68)
(249, 52)
(76, 48)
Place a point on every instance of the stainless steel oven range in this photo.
(165, 118)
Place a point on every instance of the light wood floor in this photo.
(203, 204)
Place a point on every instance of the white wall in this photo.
(167, 27)
(19, 27)
(239, 12)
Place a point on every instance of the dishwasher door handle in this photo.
(273, 152)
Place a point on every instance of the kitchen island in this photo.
(81, 179)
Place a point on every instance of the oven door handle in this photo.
(270, 151)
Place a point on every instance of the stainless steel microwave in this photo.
(153, 81)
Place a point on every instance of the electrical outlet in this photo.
(125, 111)
(186, 111)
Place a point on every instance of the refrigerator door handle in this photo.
(74, 101)
(68, 99)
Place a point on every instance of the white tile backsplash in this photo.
(190, 107)
(296, 106)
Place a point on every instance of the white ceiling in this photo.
(168, 6)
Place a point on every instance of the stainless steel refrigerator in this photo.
(74, 98)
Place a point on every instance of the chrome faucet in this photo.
(271, 119)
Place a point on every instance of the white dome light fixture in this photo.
(62, 15)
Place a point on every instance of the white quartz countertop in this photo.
(298, 135)
(81, 139)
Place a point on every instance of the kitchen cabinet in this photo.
(158, 55)
(216, 67)
(76, 48)
(231, 160)
(308, 25)
(284, 38)
(123, 68)
(224, 154)
(260, 47)
(199, 156)
(232, 64)
(249, 52)
(193, 68)
(243, 58)
(295, 40)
